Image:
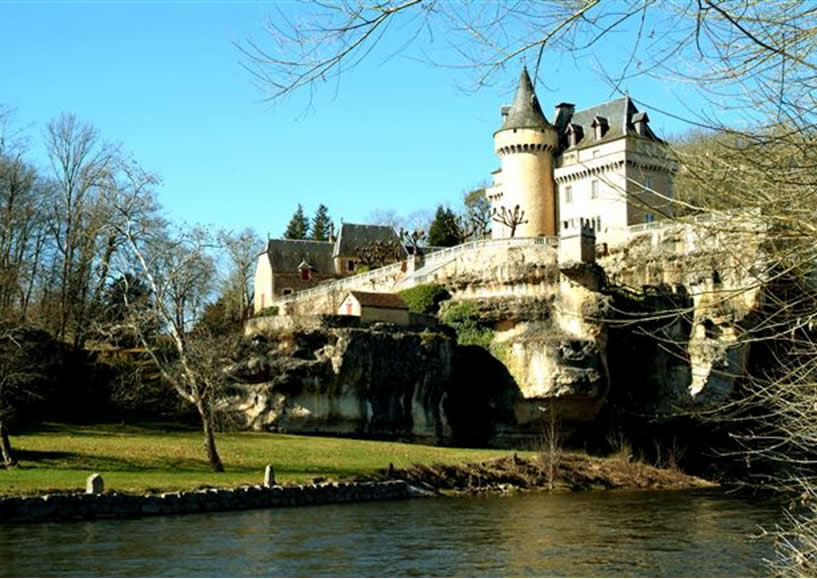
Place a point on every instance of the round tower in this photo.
(525, 145)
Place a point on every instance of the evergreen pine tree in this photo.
(321, 225)
(298, 227)
(443, 230)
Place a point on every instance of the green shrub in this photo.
(268, 311)
(425, 298)
(471, 330)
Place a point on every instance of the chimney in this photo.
(562, 115)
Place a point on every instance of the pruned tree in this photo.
(413, 240)
(379, 253)
(510, 218)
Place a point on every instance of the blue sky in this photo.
(166, 81)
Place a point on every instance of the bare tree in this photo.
(551, 449)
(510, 218)
(475, 221)
(180, 272)
(18, 372)
(83, 168)
(23, 206)
(242, 250)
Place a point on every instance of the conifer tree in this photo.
(321, 225)
(443, 230)
(298, 227)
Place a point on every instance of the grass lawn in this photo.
(153, 458)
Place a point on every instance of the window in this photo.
(649, 218)
(350, 265)
(306, 274)
(569, 194)
(564, 226)
(594, 190)
(286, 291)
(648, 182)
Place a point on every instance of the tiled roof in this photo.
(525, 112)
(353, 236)
(286, 255)
(377, 300)
(619, 114)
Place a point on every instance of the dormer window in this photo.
(305, 270)
(600, 127)
(574, 135)
(640, 121)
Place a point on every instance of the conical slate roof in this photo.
(525, 112)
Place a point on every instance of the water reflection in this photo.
(587, 534)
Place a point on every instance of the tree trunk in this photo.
(5, 447)
(209, 439)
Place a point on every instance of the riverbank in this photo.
(499, 475)
(155, 470)
(154, 458)
(150, 459)
(569, 472)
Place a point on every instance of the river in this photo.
(700, 533)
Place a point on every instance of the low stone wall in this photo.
(81, 506)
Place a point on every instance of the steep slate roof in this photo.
(619, 114)
(525, 112)
(286, 255)
(353, 236)
(377, 300)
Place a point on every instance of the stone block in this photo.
(269, 476)
(94, 485)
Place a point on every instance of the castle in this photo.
(600, 167)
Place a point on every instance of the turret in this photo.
(525, 145)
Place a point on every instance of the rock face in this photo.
(380, 381)
(651, 329)
(699, 288)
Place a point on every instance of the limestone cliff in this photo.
(652, 329)
(320, 377)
